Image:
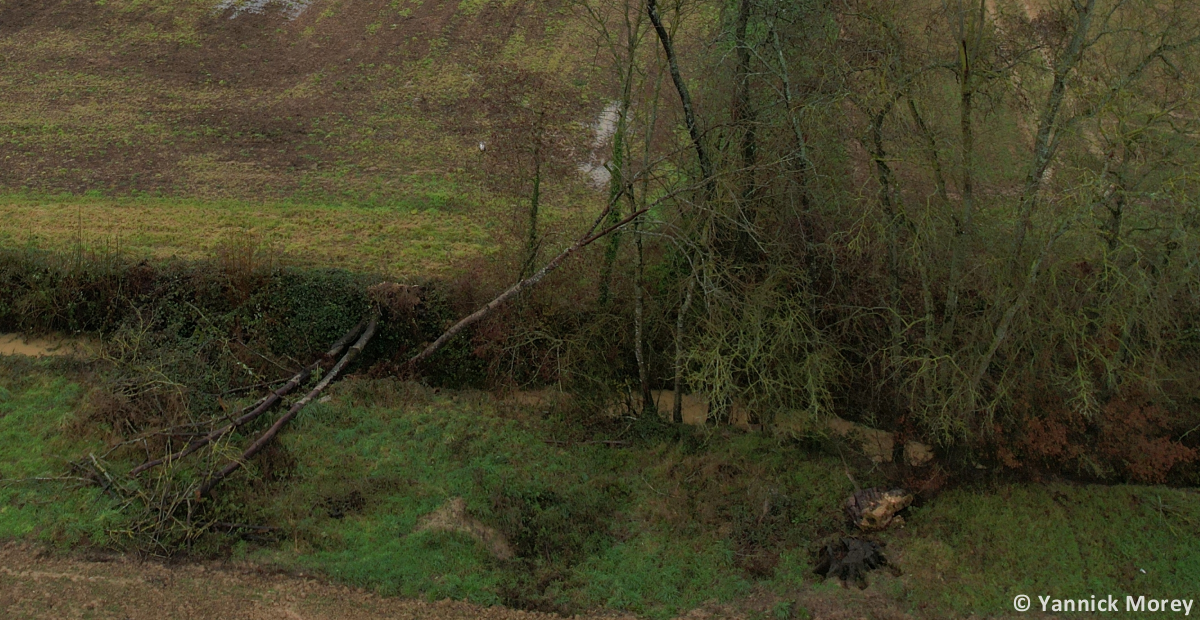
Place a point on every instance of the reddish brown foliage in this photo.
(1135, 438)
(1132, 438)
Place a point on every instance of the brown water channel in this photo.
(42, 346)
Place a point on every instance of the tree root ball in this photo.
(851, 559)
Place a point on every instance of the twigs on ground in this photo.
(165, 508)
(215, 478)
(258, 408)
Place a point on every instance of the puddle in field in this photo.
(292, 8)
(596, 169)
(19, 344)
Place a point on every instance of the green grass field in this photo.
(656, 529)
(399, 241)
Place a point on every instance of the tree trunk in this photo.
(677, 407)
(266, 437)
(743, 112)
(1046, 141)
(524, 284)
(689, 115)
(969, 44)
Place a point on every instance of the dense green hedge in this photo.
(282, 313)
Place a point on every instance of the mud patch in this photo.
(51, 346)
(46, 586)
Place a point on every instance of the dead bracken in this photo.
(398, 299)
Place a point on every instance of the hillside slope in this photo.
(365, 100)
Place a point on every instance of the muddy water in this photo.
(695, 408)
(19, 344)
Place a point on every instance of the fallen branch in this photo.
(8, 481)
(270, 433)
(611, 442)
(244, 526)
(258, 408)
(247, 388)
(516, 289)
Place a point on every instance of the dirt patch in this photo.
(453, 517)
(35, 585)
(693, 407)
(51, 346)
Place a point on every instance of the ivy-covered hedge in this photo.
(282, 313)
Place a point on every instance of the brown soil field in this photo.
(374, 100)
(36, 585)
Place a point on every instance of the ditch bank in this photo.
(399, 487)
(54, 345)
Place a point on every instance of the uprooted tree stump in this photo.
(876, 509)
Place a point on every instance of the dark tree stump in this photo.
(851, 559)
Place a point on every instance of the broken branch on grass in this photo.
(244, 526)
(607, 442)
(583, 241)
(8, 481)
(258, 408)
(270, 433)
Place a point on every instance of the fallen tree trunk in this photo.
(258, 408)
(270, 433)
(529, 282)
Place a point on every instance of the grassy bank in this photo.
(37, 410)
(671, 520)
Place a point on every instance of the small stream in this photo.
(46, 346)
